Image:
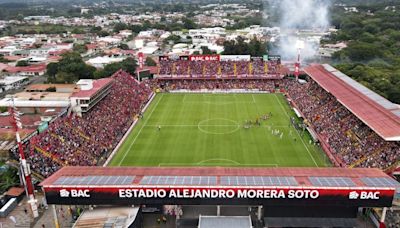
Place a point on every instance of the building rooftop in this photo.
(43, 87)
(107, 217)
(33, 68)
(221, 176)
(11, 80)
(225, 221)
(97, 85)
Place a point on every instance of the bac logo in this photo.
(353, 195)
(64, 193)
(74, 193)
(364, 195)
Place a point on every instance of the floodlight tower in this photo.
(25, 171)
(299, 46)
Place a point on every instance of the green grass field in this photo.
(207, 130)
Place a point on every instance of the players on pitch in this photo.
(257, 122)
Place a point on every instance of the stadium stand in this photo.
(73, 140)
(87, 140)
(219, 69)
(349, 138)
(226, 84)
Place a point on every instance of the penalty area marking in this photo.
(219, 102)
(225, 162)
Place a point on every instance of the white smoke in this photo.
(297, 15)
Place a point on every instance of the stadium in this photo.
(235, 135)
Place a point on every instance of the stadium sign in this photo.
(235, 58)
(184, 57)
(163, 58)
(204, 57)
(98, 195)
(275, 58)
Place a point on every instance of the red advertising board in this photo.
(204, 58)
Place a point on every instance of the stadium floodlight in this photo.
(299, 46)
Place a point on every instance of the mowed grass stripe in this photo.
(199, 130)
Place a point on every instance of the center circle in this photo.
(218, 126)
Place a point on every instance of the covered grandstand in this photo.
(378, 113)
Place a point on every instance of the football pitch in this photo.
(209, 130)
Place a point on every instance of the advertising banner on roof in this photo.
(163, 58)
(235, 58)
(246, 195)
(275, 58)
(184, 57)
(255, 58)
(204, 57)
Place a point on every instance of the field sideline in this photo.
(207, 130)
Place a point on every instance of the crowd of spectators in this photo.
(87, 140)
(217, 84)
(186, 68)
(349, 138)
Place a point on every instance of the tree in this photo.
(240, 47)
(123, 46)
(77, 31)
(22, 63)
(150, 61)
(128, 65)
(3, 60)
(188, 24)
(8, 179)
(206, 51)
(51, 89)
(52, 69)
(174, 38)
(103, 33)
(70, 69)
(80, 48)
(95, 29)
(120, 26)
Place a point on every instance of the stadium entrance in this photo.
(282, 195)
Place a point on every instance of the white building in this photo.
(9, 83)
(101, 61)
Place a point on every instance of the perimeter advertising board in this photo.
(128, 195)
(204, 57)
(275, 58)
(235, 58)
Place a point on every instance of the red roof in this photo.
(300, 174)
(15, 191)
(152, 69)
(385, 123)
(58, 52)
(33, 68)
(98, 85)
(26, 120)
(91, 46)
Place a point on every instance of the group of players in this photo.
(257, 122)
